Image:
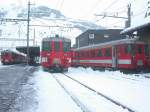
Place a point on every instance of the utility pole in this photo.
(34, 38)
(28, 24)
(128, 22)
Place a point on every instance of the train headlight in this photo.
(69, 60)
(44, 59)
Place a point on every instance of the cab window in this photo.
(46, 46)
(147, 50)
(66, 46)
(57, 46)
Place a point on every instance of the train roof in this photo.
(108, 44)
(56, 39)
(13, 51)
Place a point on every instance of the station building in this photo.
(98, 36)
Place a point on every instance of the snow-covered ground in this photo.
(51, 97)
(48, 96)
(129, 90)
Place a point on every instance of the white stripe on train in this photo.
(107, 61)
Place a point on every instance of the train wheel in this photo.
(65, 70)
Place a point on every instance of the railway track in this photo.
(73, 97)
(79, 103)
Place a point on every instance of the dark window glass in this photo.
(140, 50)
(46, 46)
(133, 50)
(107, 52)
(66, 46)
(100, 53)
(146, 50)
(130, 49)
(57, 47)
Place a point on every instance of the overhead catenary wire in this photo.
(114, 2)
(104, 11)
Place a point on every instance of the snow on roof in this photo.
(15, 51)
(135, 28)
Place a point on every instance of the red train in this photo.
(55, 54)
(127, 54)
(12, 57)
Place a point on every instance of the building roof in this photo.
(33, 51)
(135, 28)
(100, 31)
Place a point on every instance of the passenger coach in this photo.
(128, 54)
(12, 57)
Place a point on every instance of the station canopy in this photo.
(34, 51)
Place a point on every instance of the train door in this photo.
(139, 57)
(114, 57)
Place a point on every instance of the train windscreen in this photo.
(147, 50)
(57, 46)
(46, 46)
(66, 46)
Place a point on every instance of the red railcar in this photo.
(55, 54)
(12, 57)
(128, 54)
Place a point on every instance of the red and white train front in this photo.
(55, 54)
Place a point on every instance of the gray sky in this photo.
(81, 9)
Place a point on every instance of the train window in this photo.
(66, 46)
(146, 49)
(100, 53)
(46, 46)
(57, 47)
(139, 49)
(107, 52)
(130, 49)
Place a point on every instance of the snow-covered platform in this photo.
(43, 94)
(11, 79)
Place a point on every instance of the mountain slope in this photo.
(44, 22)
